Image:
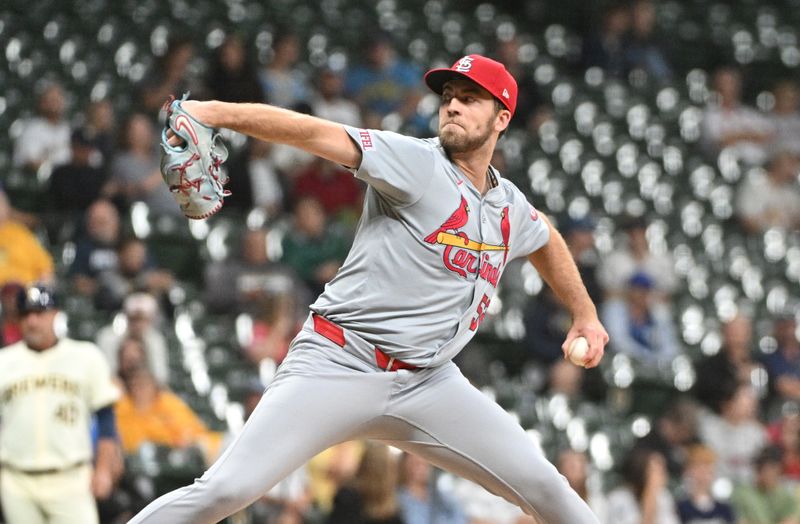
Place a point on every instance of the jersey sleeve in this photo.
(533, 231)
(397, 166)
(101, 390)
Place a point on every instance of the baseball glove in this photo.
(192, 171)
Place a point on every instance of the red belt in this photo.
(335, 334)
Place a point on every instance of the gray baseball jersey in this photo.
(424, 265)
(428, 252)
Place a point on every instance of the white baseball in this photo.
(577, 351)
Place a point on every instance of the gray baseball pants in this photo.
(324, 394)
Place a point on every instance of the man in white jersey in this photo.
(374, 359)
(49, 390)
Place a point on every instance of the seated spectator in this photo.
(131, 355)
(274, 329)
(420, 499)
(328, 101)
(23, 260)
(633, 256)
(783, 365)
(10, 326)
(75, 185)
(733, 364)
(604, 47)
(98, 132)
(785, 434)
(642, 49)
(339, 192)
(255, 180)
(283, 82)
(698, 505)
(149, 413)
(135, 271)
(314, 248)
(785, 117)
(507, 52)
(639, 326)
(140, 322)
(135, 171)
(96, 248)
(734, 434)
(672, 434)
(245, 281)
(370, 497)
(727, 123)
(482, 507)
(385, 84)
(579, 235)
(330, 470)
(44, 139)
(771, 200)
(644, 496)
(171, 76)
(574, 465)
(766, 501)
(232, 76)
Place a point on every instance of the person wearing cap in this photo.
(374, 357)
(50, 388)
(640, 326)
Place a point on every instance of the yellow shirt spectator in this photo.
(22, 257)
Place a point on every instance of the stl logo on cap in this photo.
(464, 65)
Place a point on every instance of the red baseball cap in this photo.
(487, 73)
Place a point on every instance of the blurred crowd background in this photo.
(661, 136)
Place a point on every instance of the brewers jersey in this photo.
(46, 402)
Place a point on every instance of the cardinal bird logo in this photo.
(505, 230)
(456, 221)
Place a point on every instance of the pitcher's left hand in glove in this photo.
(192, 170)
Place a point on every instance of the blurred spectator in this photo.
(508, 53)
(673, 432)
(785, 434)
(735, 434)
(699, 506)
(574, 465)
(149, 413)
(314, 248)
(783, 365)
(332, 469)
(98, 132)
(131, 355)
(547, 322)
(96, 248)
(273, 329)
(727, 123)
(232, 76)
(644, 496)
(634, 256)
(785, 117)
(75, 185)
(23, 260)
(328, 102)
(10, 320)
(140, 322)
(482, 507)
(241, 284)
(721, 374)
(135, 271)
(283, 82)
(255, 179)
(420, 499)
(384, 84)
(642, 50)
(639, 326)
(604, 47)
(135, 171)
(170, 77)
(579, 235)
(772, 199)
(334, 187)
(45, 138)
(765, 501)
(370, 497)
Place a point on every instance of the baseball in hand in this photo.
(578, 350)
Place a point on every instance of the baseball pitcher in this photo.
(49, 390)
(374, 358)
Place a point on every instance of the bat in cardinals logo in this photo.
(505, 230)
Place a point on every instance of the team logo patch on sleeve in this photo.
(534, 213)
(366, 140)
